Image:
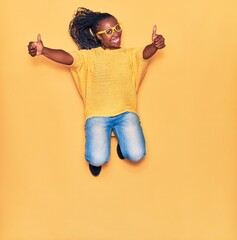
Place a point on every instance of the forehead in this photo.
(107, 23)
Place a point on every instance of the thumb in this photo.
(39, 38)
(154, 31)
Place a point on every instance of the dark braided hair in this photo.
(83, 27)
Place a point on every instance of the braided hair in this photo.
(83, 27)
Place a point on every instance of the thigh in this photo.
(98, 136)
(130, 136)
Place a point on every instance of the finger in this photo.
(32, 45)
(32, 52)
(159, 42)
(39, 38)
(154, 30)
(32, 49)
(159, 38)
(160, 45)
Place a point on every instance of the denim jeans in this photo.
(128, 131)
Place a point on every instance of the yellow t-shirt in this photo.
(108, 80)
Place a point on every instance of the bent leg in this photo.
(130, 136)
(98, 136)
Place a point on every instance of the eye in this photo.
(117, 27)
(109, 31)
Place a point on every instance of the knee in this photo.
(97, 160)
(135, 156)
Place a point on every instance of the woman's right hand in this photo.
(56, 55)
(36, 48)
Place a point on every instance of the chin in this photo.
(118, 45)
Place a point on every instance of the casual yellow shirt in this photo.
(108, 80)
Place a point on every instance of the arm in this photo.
(158, 42)
(57, 55)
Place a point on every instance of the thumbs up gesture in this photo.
(36, 48)
(157, 40)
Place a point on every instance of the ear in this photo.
(98, 36)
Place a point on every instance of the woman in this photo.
(107, 77)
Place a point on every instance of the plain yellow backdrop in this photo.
(184, 189)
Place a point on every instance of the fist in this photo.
(157, 40)
(36, 48)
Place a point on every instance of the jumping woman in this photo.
(107, 77)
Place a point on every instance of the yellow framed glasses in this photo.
(110, 31)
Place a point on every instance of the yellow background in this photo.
(185, 189)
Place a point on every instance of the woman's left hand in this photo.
(157, 40)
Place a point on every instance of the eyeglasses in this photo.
(110, 31)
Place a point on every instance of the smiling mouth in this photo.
(115, 40)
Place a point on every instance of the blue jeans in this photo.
(127, 130)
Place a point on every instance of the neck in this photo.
(109, 48)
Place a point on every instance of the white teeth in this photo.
(115, 40)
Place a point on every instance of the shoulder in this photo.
(80, 57)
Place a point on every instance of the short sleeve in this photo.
(78, 59)
(78, 69)
(139, 65)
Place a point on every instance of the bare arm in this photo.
(158, 42)
(57, 55)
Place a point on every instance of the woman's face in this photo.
(109, 33)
